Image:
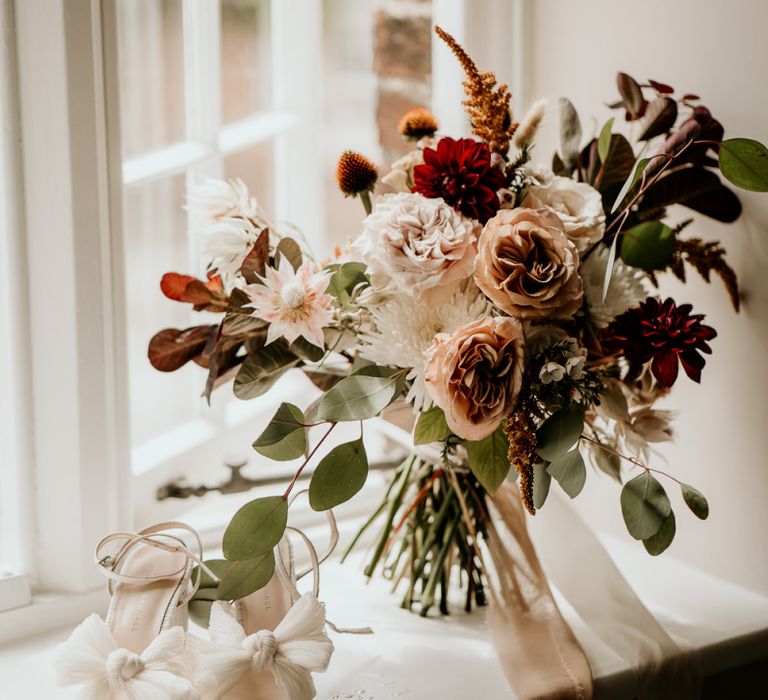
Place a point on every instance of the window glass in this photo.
(151, 74)
(245, 58)
(156, 242)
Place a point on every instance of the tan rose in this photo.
(527, 266)
(475, 375)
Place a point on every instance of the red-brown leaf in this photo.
(173, 285)
(256, 261)
(172, 348)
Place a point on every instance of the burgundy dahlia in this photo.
(662, 332)
(460, 172)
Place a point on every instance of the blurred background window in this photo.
(209, 88)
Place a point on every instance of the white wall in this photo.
(718, 50)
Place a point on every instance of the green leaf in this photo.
(345, 278)
(570, 472)
(559, 433)
(541, 483)
(656, 544)
(285, 437)
(306, 350)
(246, 576)
(357, 397)
(637, 172)
(262, 369)
(604, 140)
(609, 267)
(339, 476)
(607, 462)
(696, 501)
(289, 249)
(218, 566)
(744, 162)
(255, 528)
(431, 427)
(649, 246)
(488, 459)
(644, 505)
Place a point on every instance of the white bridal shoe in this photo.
(139, 652)
(267, 645)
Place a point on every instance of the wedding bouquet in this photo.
(511, 307)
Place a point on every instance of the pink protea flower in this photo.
(293, 303)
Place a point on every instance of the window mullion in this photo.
(297, 49)
(202, 97)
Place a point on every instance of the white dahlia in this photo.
(625, 291)
(402, 330)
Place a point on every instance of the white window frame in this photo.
(193, 449)
(68, 382)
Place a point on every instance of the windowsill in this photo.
(452, 657)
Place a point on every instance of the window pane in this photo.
(255, 167)
(151, 58)
(155, 243)
(245, 58)
(349, 115)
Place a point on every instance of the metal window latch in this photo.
(237, 483)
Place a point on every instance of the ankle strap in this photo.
(332, 540)
(154, 536)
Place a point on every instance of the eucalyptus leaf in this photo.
(649, 246)
(262, 369)
(290, 250)
(255, 528)
(357, 397)
(339, 475)
(696, 501)
(604, 140)
(644, 505)
(488, 459)
(541, 483)
(559, 433)
(431, 427)
(285, 437)
(218, 567)
(570, 472)
(656, 544)
(306, 350)
(744, 162)
(246, 576)
(345, 278)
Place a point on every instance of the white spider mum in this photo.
(402, 329)
(224, 245)
(625, 291)
(221, 199)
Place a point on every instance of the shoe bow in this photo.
(92, 658)
(296, 647)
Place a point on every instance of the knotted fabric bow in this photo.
(297, 646)
(92, 658)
